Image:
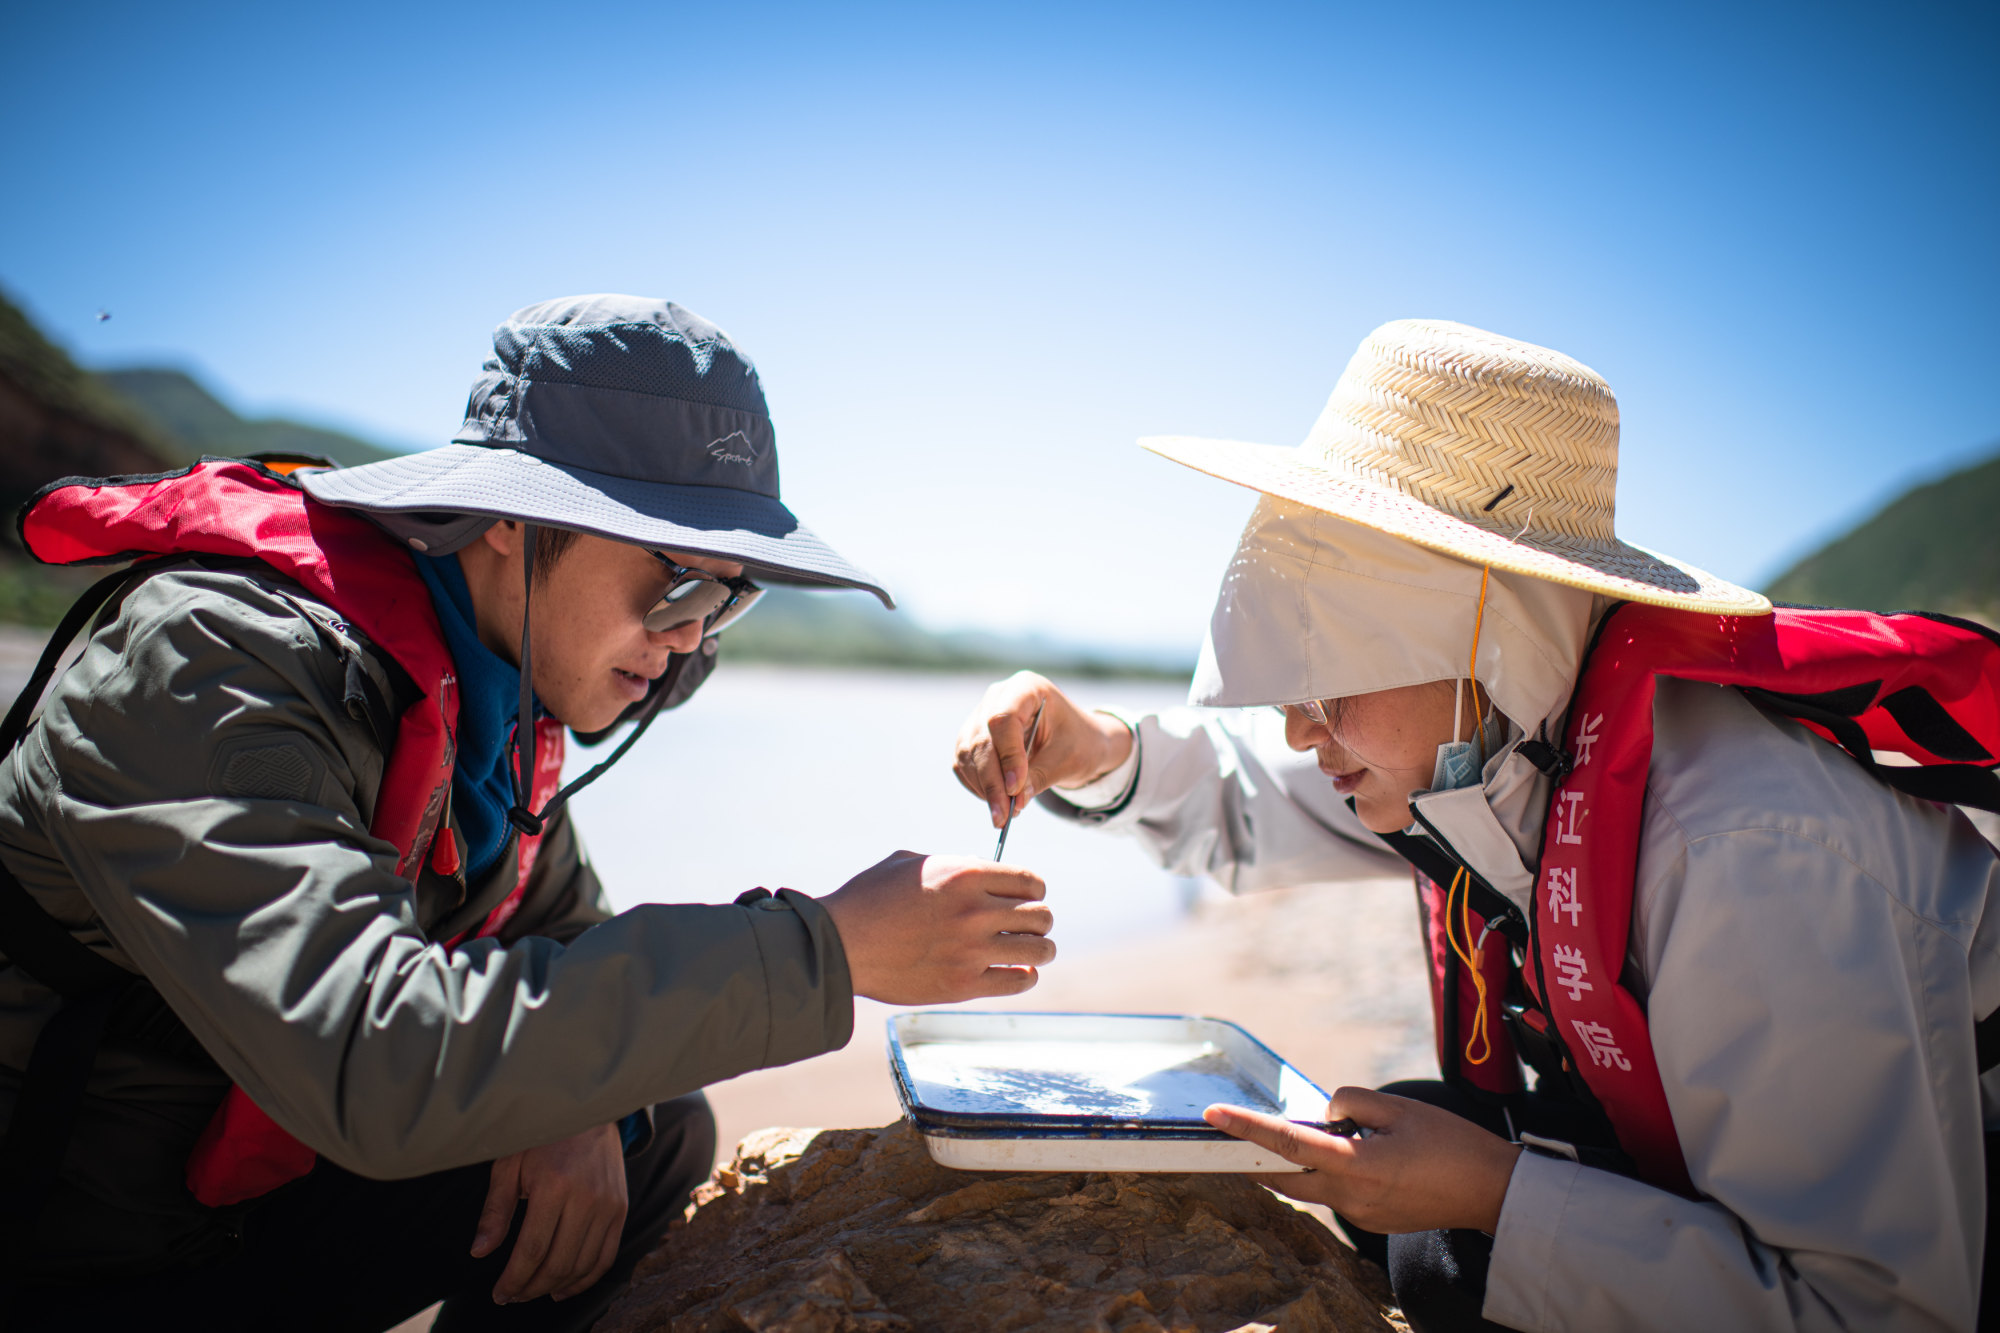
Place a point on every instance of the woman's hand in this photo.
(1072, 747)
(1423, 1169)
(575, 1190)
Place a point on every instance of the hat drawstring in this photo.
(523, 768)
(1469, 950)
(530, 823)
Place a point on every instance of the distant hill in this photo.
(56, 420)
(851, 629)
(194, 422)
(59, 420)
(1933, 548)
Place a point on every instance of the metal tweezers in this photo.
(1027, 752)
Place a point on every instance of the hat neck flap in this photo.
(1315, 607)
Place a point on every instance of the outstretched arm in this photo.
(248, 890)
(1216, 792)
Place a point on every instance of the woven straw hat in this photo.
(1497, 452)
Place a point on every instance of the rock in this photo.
(843, 1230)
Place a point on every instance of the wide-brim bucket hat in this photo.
(620, 416)
(1495, 451)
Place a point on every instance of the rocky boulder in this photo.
(837, 1231)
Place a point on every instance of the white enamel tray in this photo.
(1089, 1092)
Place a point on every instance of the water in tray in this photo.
(1128, 1080)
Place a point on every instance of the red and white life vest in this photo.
(1914, 698)
(242, 509)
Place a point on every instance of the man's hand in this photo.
(938, 929)
(1072, 747)
(1423, 1169)
(575, 1190)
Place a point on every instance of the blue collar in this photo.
(489, 695)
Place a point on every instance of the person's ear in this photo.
(504, 537)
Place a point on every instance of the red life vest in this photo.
(1915, 699)
(235, 508)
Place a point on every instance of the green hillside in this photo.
(195, 422)
(165, 411)
(849, 629)
(57, 420)
(1934, 548)
(45, 374)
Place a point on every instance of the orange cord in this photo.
(1478, 620)
(1471, 952)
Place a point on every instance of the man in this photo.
(313, 1010)
(1694, 861)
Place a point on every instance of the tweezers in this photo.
(1027, 752)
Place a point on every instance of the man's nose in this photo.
(682, 638)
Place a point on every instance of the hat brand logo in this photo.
(734, 447)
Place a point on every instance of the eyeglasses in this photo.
(696, 594)
(1314, 709)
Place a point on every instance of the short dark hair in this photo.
(551, 544)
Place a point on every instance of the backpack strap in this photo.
(92, 989)
(1974, 784)
(1428, 857)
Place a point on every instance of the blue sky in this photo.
(977, 250)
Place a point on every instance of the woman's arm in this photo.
(1216, 792)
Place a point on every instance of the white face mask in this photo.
(1458, 762)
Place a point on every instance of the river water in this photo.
(800, 777)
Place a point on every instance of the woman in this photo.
(1744, 968)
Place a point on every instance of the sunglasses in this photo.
(696, 594)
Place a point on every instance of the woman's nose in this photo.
(1302, 733)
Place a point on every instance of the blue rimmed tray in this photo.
(1089, 1092)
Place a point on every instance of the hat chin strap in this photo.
(530, 823)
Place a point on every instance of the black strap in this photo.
(1422, 853)
(42, 946)
(52, 1087)
(531, 823)
(1540, 1047)
(1950, 784)
(645, 718)
(1431, 857)
(45, 1112)
(523, 745)
(73, 621)
(33, 940)
(1551, 760)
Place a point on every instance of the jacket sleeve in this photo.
(1219, 793)
(201, 782)
(1813, 970)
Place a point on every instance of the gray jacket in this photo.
(194, 802)
(1812, 949)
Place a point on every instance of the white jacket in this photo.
(1812, 947)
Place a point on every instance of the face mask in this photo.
(1457, 766)
(1458, 762)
